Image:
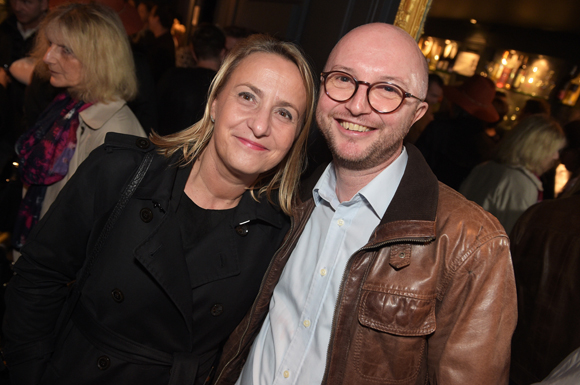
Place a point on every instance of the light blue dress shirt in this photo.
(292, 345)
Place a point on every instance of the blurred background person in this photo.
(453, 146)
(234, 35)
(85, 52)
(510, 184)
(534, 106)
(40, 92)
(159, 46)
(186, 258)
(17, 34)
(182, 92)
(144, 9)
(545, 248)
(570, 156)
(494, 130)
(433, 98)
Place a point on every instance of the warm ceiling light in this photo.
(473, 21)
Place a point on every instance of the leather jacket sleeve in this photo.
(478, 297)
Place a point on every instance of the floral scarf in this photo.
(44, 154)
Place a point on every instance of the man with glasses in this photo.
(387, 277)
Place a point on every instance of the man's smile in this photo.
(354, 127)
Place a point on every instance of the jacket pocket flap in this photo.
(404, 315)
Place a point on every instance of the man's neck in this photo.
(350, 181)
(29, 27)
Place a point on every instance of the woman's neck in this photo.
(211, 189)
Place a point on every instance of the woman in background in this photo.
(84, 50)
(509, 184)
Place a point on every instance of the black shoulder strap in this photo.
(115, 214)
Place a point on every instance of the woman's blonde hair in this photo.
(530, 143)
(193, 140)
(95, 35)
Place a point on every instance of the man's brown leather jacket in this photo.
(430, 299)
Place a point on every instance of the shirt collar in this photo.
(98, 114)
(25, 33)
(378, 193)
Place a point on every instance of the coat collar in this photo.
(413, 210)
(99, 113)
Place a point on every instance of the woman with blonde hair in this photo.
(162, 275)
(84, 51)
(510, 183)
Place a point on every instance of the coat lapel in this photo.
(161, 251)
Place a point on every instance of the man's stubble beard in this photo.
(377, 153)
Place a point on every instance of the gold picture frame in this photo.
(411, 16)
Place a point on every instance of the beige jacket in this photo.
(94, 123)
(505, 191)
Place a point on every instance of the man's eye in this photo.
(344, 79)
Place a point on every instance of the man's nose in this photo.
(359, 103)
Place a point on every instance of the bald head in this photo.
(384, 46)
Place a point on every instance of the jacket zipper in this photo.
(347, 268)
(257, 296)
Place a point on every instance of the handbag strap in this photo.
(115, 214)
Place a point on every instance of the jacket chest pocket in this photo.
(391, 338)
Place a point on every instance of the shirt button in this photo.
(340, 222)
(286, 374)
(323, 272)
(306, 323)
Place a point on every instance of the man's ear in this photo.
(420, 111)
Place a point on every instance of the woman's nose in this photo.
(260, 123)
(49, 55)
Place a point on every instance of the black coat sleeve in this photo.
(54, 253)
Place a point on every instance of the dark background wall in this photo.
(315, 24)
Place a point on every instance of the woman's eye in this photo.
(246, 96)
(285, 114)
(66, 50)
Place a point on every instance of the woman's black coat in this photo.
(134, 322)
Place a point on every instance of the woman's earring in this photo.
(212, 119)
